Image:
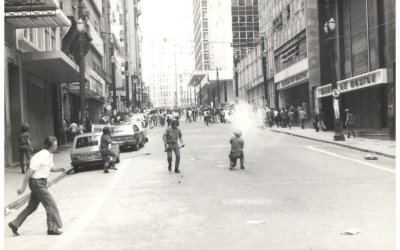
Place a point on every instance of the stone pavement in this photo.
(380, 146)
(13, 179)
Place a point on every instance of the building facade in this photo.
(364, 67)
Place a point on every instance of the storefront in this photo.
(365, 95)
(294, 91)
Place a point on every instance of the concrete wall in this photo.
(312, 36)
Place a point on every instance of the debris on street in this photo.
(351, 232)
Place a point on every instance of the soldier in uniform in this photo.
(105, 144)
(170, 138)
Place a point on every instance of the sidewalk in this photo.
(378, 146)
(13, 178)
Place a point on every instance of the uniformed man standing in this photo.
(170, 138)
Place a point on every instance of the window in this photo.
(242, 34)
(235, 34)
(53, 39)
(250, 34)
(249, 19)
(241, 2)
(47, 39)
(249, 3)
(234, 2)
(234, 19)
(87, 141)
(242, 19)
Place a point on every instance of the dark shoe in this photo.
(54, 232)
(177, 171)
(242, 167)
(106, 171)
(13, 228)
(23, 171)
(169, 168)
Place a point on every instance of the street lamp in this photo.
(114, 104)
(218, 100)
(235, 62)
(329, 29)
(81, 27)
(127, 81)
(264, 67)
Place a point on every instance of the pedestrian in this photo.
(25, 148)
(303, 117)
(291, 117)
(41, 165)
(81, 130)
(73, 127)
(237, 144)
(105, 150)
(170, 139)
(285, 118)
(350, 121)
(321, 122)
(314, 116)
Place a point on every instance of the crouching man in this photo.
(237, 144)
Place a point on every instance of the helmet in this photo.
(175, 122)
(237, 132)
(106, 130)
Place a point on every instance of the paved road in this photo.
(306, 193)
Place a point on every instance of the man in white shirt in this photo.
(41, 165)
(74, 129)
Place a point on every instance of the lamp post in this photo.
(264, 68)
(81, 27)
(218, 100)
(329, 29)
(127, 82)
(235, 62)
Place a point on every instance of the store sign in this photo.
(293, 80)
(358, 82)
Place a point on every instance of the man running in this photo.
(170, 138)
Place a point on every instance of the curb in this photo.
(338, 144)
(24, 199)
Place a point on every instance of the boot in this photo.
(348, 135)
(169, 167)
(106, 168)
(177, 171)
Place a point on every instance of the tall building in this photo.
(222, 30)
(363, 64)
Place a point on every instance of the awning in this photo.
(35, 14)
(196, 78)
(53, 66)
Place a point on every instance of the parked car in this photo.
(128, 135)
(86, 151)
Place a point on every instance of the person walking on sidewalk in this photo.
(350, 121)
(303, 117)
(237, 145)
(321, 122)
(291, 117)
(315, 119)
(36, 176)
(170, 139)
(25, 148)
(105, 145)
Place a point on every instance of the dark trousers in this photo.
(233, 156)
(39, 194)
(315, 125)
(106, 153)
(174, 147)
(24, 157)
(302, 121)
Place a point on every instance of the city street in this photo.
(294, 194)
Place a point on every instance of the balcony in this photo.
(35, 14)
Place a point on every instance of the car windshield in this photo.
(87, 141)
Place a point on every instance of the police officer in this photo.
(170, 138)
(105, 143)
